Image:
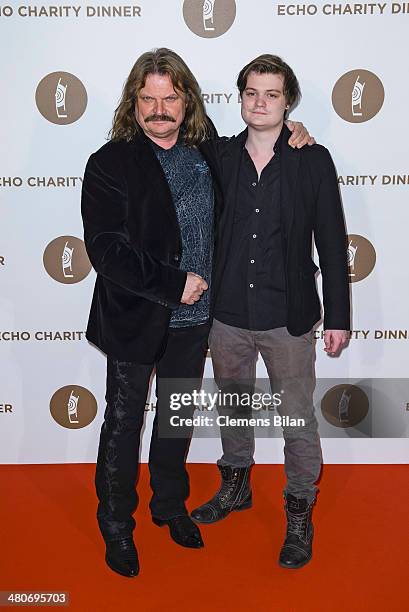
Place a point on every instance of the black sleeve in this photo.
(104, 208)
(330, 239)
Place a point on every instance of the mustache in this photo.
(156, 117)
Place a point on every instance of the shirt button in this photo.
(251, 260)
(254, 235)
(253, 184)
(257, 210)
(251, 285)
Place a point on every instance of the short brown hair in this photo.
(161, 61)
(272, 64)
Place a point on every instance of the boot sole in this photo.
(119, 572)
(245, 506)
(294, 567)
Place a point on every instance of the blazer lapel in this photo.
(230, 168)
(290, 163)
(152, 171)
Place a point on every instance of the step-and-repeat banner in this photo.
(62, 74)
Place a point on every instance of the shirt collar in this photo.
(277, 145)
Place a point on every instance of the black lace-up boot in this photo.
(234, 494)
(297, 548)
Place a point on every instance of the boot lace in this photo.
(297, 524)
(227, 488)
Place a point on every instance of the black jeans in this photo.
(118, 454)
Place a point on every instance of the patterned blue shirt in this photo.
(190, 183)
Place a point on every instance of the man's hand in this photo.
(194, 287)
(299, 136)
(335, 340)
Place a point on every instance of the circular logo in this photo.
(73, 407)
(358, 96)
(61, 98)
(209, 18)
(361, 257)
(66, 260)
(345, 405)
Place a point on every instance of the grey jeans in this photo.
(289, 361)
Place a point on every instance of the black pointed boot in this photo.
(122, 557)
(297, 548)
(234, 494)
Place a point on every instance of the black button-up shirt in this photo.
(252, 291)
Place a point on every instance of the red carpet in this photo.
(50, 542)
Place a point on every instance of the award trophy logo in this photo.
(345, 405)
(61, 98)
(73, 407)
(66, 261)
(361, 257)
(209, 18)
(60, 94)
(351, 253)
(358, 96)
(208, 10)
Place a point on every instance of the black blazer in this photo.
(310, 206)
(133, 240)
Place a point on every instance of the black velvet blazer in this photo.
(310, 207)
(133, 240)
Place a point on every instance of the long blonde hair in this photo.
(161, 61)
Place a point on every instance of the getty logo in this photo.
(61, 98)
(358, 96)
(66, 260)
(209, 18)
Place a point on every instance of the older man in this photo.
(148, 206)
